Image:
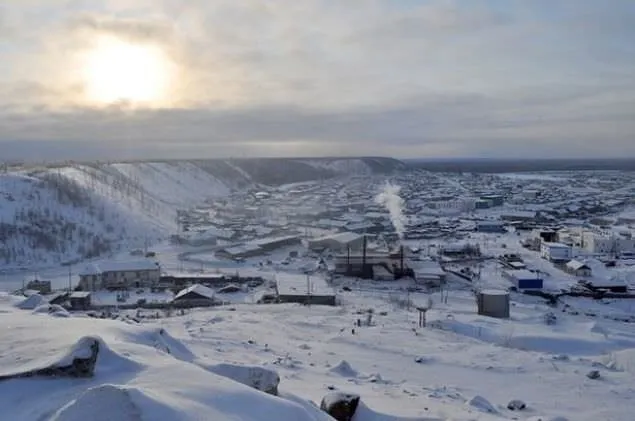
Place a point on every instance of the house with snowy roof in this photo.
(120, 275)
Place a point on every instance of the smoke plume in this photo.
(390, 199)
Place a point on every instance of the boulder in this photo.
(79, 363)
(341, 406)
(516, 405)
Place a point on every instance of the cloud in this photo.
(402, 78)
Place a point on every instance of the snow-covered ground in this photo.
(460, 367)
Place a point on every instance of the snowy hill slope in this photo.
(70, 212)
(133, 380)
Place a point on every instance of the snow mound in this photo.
(482, 404)
(31, 302)
(621, 360)
(101, 403)
(259, 378)
(344, 369)
(52, 309)
(161, 340)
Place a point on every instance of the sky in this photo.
(121, 79)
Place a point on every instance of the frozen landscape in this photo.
(227, 298)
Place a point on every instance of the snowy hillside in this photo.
(140, 373)
(198, 366)
(50, 215)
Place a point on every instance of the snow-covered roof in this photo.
(556, 245)
(199, 289)
(428, 267)
(576, 265)
(241, 249)
(612, 282)
(522, 274)
(119, 266)
(342, 237)
(296, 284)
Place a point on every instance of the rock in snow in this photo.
(516, 405)
(341, 406)
(78, 362)
(593, 374)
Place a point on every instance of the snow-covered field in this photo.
(460, 367)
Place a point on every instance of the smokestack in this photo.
(364, 254)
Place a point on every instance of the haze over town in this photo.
(438, 78)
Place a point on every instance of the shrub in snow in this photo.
(341, 406)
(482, 404)
(593, 374)
(550, 318)
(259, 378)
(516, 405)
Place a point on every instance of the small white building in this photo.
(577, 268)
(556, 252)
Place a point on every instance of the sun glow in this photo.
(116, 70)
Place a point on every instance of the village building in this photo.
(312, 290)
(577, 268)
(196, 295)
(337, 242)
(113, 275)
(524, 279)
(556, 252)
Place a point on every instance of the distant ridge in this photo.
(486, 165)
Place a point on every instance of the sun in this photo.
(115, 70)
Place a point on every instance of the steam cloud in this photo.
(390, 199)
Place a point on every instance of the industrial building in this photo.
(115, 275)
(258, 247)
(337, 242)
(363, 265)
(494, 227)
(302, 289)
(524, 279)
(607, 242)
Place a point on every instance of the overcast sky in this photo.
(402, 78)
